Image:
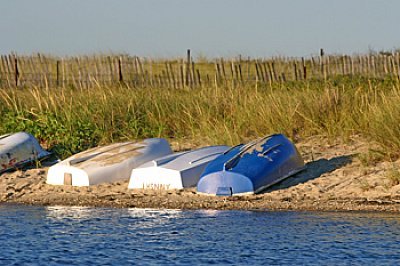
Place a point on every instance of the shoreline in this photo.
(335, 179)
(188, 200)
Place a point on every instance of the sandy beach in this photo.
(336, 178)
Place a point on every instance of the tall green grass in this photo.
(70, 120)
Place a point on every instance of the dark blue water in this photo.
(98, 236)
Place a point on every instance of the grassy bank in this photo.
(70, 120)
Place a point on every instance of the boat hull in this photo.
(106, 164)
(251, 168)
(19, 149)
(175, 171)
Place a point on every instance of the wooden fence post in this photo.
(257, 71)
(352, 65)
(273, 70)
(321, 62)
(63, 73)
(168, 75)
(262, 72)
(192, 74)
(58, 73)
(121, 79)
(240, 73)
(223, 70)
(16, 70)
(304, 68)
(266, 76)
(198, 77)
(110, 70)
(344, 65)
(187, 80)
(182, 77)
(217, 72)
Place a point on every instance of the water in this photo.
(104, 236)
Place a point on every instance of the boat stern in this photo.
(225, 183)
(18, 149)
(67, 175)
(155, 178)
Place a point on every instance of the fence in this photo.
(98, 70)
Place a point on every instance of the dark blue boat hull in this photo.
(250, 168)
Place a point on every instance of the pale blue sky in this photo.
(166, 28)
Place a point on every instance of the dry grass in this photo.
(70, 120)
(393, 175)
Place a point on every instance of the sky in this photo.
(211, 28)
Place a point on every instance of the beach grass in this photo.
(69, 120)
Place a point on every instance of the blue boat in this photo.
(250, 168)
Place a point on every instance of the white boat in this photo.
(18, 149)
(106, 164)
(175, 171)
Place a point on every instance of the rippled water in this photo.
(78, 236)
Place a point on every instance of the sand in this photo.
(336, 179)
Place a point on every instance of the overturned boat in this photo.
(19, 149)
(175, 171)
(250, 168)
(106, 164)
